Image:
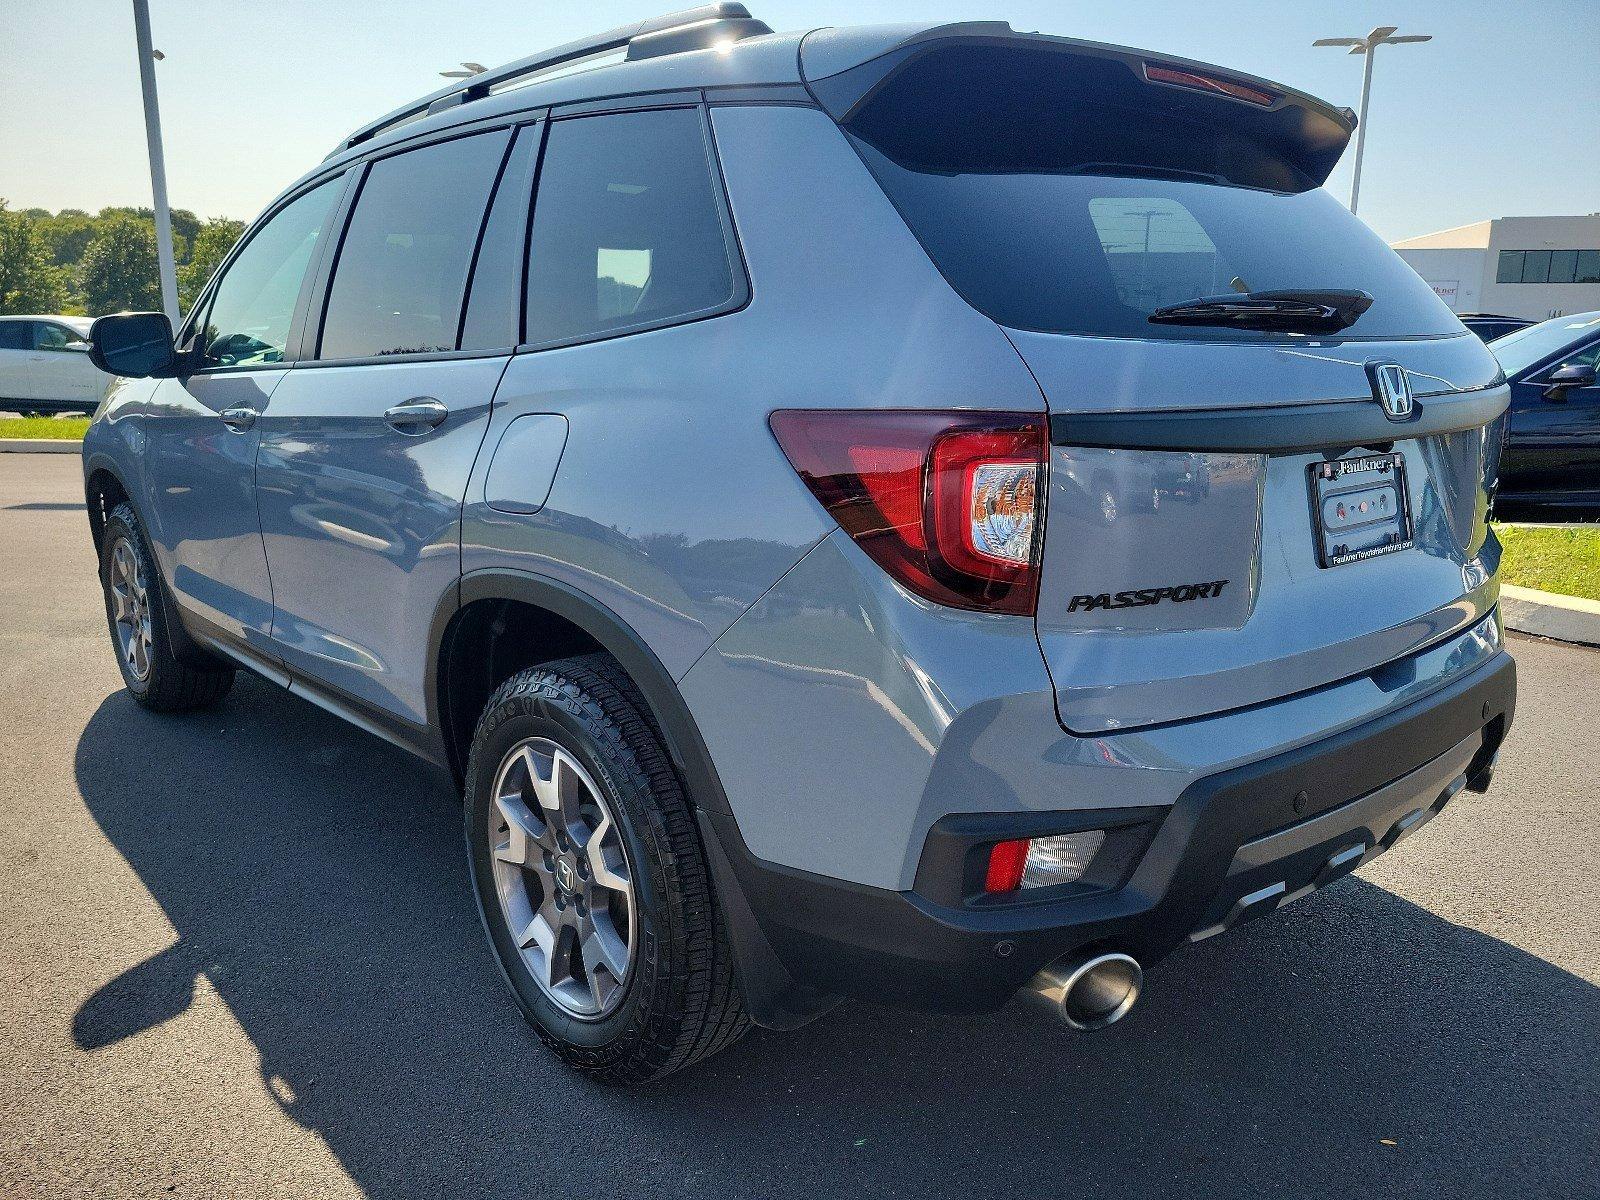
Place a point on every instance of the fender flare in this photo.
(655, 683)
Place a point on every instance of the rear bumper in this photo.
(1234, 846)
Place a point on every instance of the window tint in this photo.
(1563, 265)
(1548, 266)
(494, 307)
(1058, 193)
(1589, 356)
(1096, 254)
(253, 305)
(402, 270)
(1536, 266)
(627, 231)
(16, 335)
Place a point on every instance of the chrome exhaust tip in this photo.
(1089, 991)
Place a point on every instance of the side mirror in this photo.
(137, 345)
(77, 347)
(1563, 379)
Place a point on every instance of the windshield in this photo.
(1520, 350)
(1051, 208)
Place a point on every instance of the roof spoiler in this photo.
(844, 68)
(690, 29)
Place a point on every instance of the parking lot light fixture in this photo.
(1383, 35)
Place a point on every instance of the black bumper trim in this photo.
(804, 939)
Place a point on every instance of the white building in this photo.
(1533, 267)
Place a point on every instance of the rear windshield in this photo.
(1045, 226)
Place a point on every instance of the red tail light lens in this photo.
(947, 502)
(1219, 84)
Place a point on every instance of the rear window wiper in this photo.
(1287, 311)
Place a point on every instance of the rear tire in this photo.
(575, 731)
(136, 612)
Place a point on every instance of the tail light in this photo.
(949, 503)
(1041, 862)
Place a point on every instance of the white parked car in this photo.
(45, 367)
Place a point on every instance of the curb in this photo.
(40, 446)
(1545, 614)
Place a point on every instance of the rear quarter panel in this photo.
(673, 505)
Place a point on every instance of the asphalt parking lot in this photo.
(238, 957)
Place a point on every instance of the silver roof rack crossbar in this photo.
(479, 86)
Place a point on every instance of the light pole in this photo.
(158, 167)
(1383, 35)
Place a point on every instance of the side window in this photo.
(47, 335)
(1589, 356)
(402, 271)
(627, 227)
(494, 304)
(16, 335)
(253, 304)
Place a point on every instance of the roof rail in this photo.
(740, 24)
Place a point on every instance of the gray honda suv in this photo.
(923, 514)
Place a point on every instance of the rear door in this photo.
(1231, 516)
(368, 443)
(64, 371)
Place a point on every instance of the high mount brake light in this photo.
(947, 502)
(1218, 84)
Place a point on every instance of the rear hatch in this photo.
(1249, 497)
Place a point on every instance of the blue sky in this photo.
(1495, 117)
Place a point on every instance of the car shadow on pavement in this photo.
(1357, 1044)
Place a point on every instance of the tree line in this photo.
(75, 263)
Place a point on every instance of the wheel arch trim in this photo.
(666, 705)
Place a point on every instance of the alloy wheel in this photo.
(130, 600)
(562, 878)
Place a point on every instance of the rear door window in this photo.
(628, 230)
(402, 269)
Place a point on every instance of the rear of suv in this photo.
(924, 514)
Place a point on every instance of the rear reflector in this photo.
(1006, 863)
(1195, 81)
(947, 502)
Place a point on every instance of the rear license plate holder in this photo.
(1360, 508)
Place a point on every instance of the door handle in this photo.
(417, 415)
(238, 419)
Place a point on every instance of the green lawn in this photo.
(1552, 560)
(70, 428)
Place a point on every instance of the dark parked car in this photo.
(1489, 326)
(1552, 451)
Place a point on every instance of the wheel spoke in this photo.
(570, 792)
(609, 868)
(526, 834)
(602, 947)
